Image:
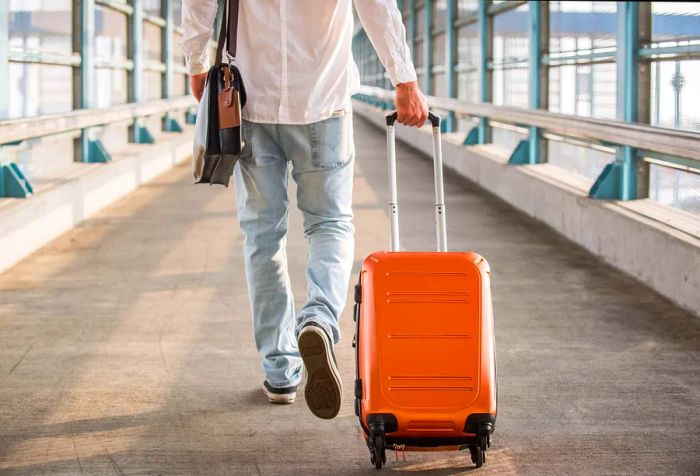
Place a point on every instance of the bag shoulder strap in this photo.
(228, 33)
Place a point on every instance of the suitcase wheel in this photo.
(377, 448)
(478, 452)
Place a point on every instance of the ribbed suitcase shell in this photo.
(425, 344)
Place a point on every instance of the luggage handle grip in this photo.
(432, 117)
(440, 219)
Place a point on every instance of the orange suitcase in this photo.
(424, 339)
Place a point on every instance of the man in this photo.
(296, 61)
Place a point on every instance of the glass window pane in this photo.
(675, 95)
(111, 87)
(510, 54)
(31, 157)
(179, 85)
(673, 21)
(577, 26)
(468, 86)
(41, 26)
(151, 42)
(177, 11)
(468, 48)
(36, 89)
(439, 86)
(676, 188)
(152, 84)
(467, 7)
(439, 14)
(510, 87)
(584, 90)
(151, 7)
(418, 54)
(585, 161)
(178, 55)
(110, 34)
(439, 49)
(506, 137)
(420, 21)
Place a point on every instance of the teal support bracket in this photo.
(141, 134)
(607, 185)
(485, 46)
(428, 47)
(97, 153)
(170, 124)
(472, 137)
(449, 123)
(521, 154)
(13, 183)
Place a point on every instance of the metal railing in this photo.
(13, 182)
(88, 146)
(15, 130)
(669, 147)
(473, 63)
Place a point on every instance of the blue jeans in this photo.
(321, 158)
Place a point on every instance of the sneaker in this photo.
(324, 389)
(279, 395)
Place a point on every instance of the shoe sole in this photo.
(280, 398)
(324, 388)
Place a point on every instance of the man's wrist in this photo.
(407, 86)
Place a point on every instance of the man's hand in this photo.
(411, 106)
(197, 82)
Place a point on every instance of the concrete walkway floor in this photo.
(126, 345)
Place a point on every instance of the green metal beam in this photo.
(485, 77)
(450, 60)
(533, 149)
(86, 147)
(170, 123)
(137, 132)
(619, 179)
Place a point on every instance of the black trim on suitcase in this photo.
(386, 421)
(480, 424)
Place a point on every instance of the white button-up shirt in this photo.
(295, 56)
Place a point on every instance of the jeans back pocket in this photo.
(331, 142)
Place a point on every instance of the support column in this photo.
(170, 123)
(450, 60)
(618, 180)
(485, 75)
(137, 132)
(533, 150)
(643, 92)
(427, 46)
(86, 147)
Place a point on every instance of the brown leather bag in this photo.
(215, 158)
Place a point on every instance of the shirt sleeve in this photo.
(198, 26)
(381, 20)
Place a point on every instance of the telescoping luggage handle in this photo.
(437, 172)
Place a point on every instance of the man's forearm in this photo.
(197, 25)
